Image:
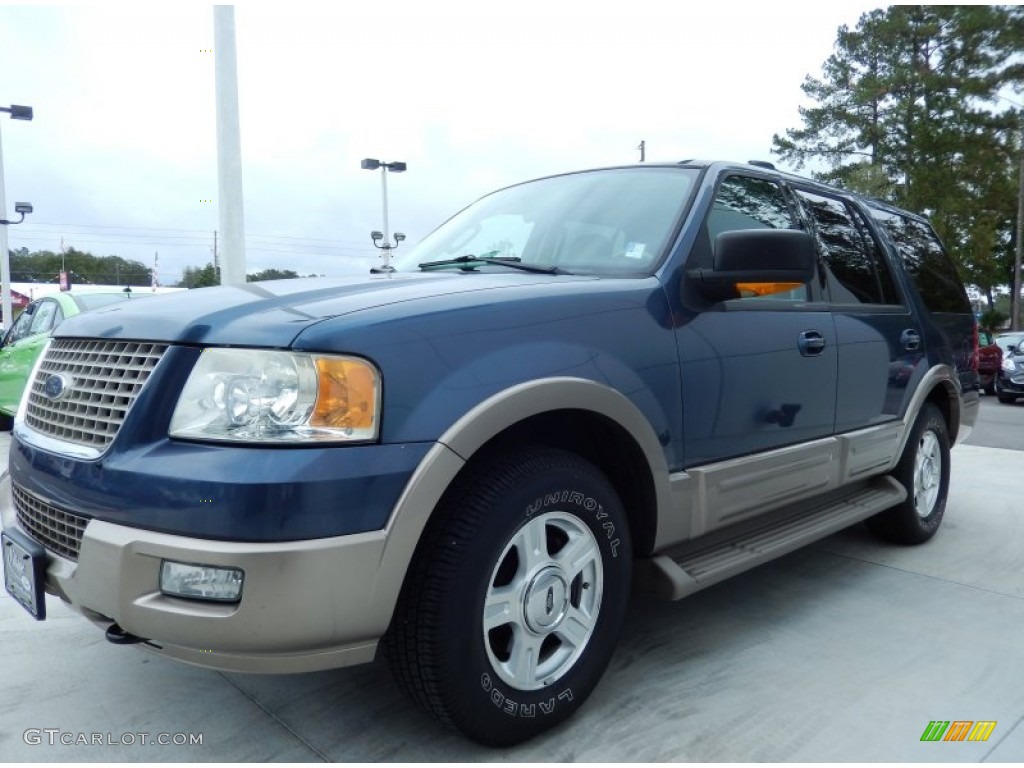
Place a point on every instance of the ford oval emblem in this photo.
(57, 385)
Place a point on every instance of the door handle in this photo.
(910, 339)
(811, 343)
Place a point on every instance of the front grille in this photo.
(56, 529)
(100, 381)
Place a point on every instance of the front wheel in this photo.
(923, 470)
(514, 602)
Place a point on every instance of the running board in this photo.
(677, 575)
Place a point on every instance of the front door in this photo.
(759, 371)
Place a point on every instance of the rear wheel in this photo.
(924, 471)
(513, 604)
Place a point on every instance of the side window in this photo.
(855, 271)
(44, 317)
(930, 268)
(745, 202)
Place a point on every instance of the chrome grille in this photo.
(102, 380)
(56, 529)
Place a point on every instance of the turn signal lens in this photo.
(346, 397)
(765, 289)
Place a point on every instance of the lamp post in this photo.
(370, 164)
(16, 112)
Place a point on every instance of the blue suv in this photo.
(662, 374)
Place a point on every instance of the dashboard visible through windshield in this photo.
(616, 221)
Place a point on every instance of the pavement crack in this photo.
(295, 734)
(917, 573)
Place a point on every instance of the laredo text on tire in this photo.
(923, 470)
(516, 595)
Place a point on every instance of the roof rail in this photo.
(762, 164)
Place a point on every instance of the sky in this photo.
(121, 157)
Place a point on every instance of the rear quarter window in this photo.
(929, 266)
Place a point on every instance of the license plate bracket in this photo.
(24, 572)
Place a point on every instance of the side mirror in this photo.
(772, 259)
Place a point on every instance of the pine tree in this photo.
(911, 108)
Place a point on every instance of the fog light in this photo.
(201, 582)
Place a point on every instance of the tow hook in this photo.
(118, 636)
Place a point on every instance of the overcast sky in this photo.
(472, 95)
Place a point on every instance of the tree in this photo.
(45, 267)
(271, 274)
(199, 277)
(908, 110)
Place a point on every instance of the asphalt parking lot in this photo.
(843, 651)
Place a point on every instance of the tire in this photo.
(6, 422)
(990, 388)
(923, 470)
(477, 608)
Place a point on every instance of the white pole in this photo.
(5, 256)
(229, 149)
(384, 198)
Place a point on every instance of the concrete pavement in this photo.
(843, 651)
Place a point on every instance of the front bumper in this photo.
(1010, 383)
(306, 605)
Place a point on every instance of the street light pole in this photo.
(17, 113)
(372, 164)
(384, 205)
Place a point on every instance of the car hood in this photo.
(273, 313)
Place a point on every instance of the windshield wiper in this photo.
(470, 261)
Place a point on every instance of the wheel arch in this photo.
(591, 419)
(583, 417)
(939, 387)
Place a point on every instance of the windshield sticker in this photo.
(635, 250)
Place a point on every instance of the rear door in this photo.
(940, 292)
(879, 340)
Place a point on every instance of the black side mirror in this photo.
(756, 256)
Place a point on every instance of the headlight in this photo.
(255, 395)
(1008, 364)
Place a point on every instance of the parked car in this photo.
(990, 358)
(1007, 341)
(679, 371)
(1009, 383)
(22, 344)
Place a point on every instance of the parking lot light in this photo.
(396, 166)
(17, 112)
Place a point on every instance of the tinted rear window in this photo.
(928, 264)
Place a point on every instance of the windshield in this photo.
(1008, 340)
(615, 221)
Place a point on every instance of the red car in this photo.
(990, 357)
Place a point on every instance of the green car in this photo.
(23, 342)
